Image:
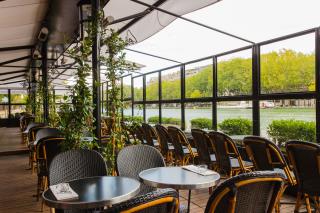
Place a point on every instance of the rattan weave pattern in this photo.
(143, 199)
(254, 197)
(134, 159)
(76, 164)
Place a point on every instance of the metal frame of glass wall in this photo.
(255, 97)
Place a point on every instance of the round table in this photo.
(96, 192)
(177, 178)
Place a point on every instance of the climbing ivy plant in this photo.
(75, 114)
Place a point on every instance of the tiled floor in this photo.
(10, 140)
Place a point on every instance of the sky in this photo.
(255, 20)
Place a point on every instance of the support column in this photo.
(96, 74)
(44, 58)
(256, 89)
(33, 87)
(317, 42)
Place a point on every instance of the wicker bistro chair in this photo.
(160, 201)
(43, 136)
(229, 161)
(166, 146)
(202, 140)
(76, 164)
(305, 158)
(266, 155)
(25, 133)
(183, 151)
(134, 159)
(149, 135)
(254, 192)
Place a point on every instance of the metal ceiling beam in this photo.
(137, 15)
(15, 60)
(155, 56)
(13, 72)
(12, 82)
(158, 3)
(2, 49)
(13, 77)
(17, 66)
(191, 21)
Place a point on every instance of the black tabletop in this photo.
(96, 192)
(177, 178)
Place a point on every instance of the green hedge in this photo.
(173, 121)
(138, 119)
(281, 131)
(201, 123)
(236, 126)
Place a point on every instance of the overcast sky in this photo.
(255, 20)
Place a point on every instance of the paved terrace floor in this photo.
(18, 185)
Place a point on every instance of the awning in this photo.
(152, 21)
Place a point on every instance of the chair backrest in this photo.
(255, 192)
(178, 148)
(149, 133)
(33, 132)
(46, 133)
(76, 164)
(50, 147)
(134, 159)
(225, 148)
(158, 201)
(266, 155)
(305, 158)
(201, 141)
(164, 138)
(139, 133)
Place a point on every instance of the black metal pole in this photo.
(182, 76)
(214, 93)
(317, 43)
(33, 87)
(256, 89)
(44, 67)
(96, 74)
(9, 104)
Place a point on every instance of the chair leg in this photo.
(308, 203)
(298, 202)
(277, 207)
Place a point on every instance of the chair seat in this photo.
(155, 142)
(213, 158)
(282, 172)
(171, 147)
(235, 163)
(186, 150)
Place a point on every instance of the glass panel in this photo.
(289, 111)
(198, 115)
(138, 88)
(171, 84)
(59, 95)
(4, 111)
(127, 109)
(16, 110)
(152, 84)
(235, 117)
(199, 79)
(138, 110)
(19, 96)
(171, 114)
(289, 65)
(235, 74)
(4, 96)
(127, 87)
(152, 113)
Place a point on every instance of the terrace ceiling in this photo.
(20, 22)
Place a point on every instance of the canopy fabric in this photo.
(154, 21)
(20, 22)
